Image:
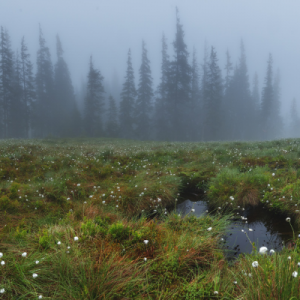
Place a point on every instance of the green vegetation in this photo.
(95, 219)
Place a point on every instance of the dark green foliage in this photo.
(143, 106)
(112, 126)
(94, 102)
(128, 98)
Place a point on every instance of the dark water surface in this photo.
(268, 229)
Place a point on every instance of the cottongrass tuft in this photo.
(255, 264)
(295, 274)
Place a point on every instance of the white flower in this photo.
(58, 243)
(209, 228)
(103, 202)
(289, 258)
(146, 242)
(288, 219)
(36, 261)
(273, 174)
(263, 250)
(255, 264)
(24, 254)
(2, 263)
(242, 230)
(145, 258)
(216, 292)
(298, 264)
(272, 251)
(235, 282)
(1, 254)
(295, 274)
(250, 275)
(40, 296)
(192, 210)
(250, 229)
(75, 238)
(34, 275)
(2, 291)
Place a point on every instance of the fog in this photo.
(108, 29)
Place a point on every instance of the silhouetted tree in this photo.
(94, 103)
(143, 107)
(195, 109)
(127, 104)
(112, 126)
(6, 83)
(213, 99)
(180, 92)
(64, 94)
(17, 105)
(28, 88)
(162, 111)
(44, 118)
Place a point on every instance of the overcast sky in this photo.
(106, 29)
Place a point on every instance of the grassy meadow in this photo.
(94, 219)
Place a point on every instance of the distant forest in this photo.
(193, 102)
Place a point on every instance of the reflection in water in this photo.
(254, 224)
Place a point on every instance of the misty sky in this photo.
(106, 29)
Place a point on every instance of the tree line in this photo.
(193, 102)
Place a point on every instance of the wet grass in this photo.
(95, 219)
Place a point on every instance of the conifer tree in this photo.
(64, 94)
(180, 92)
(112, 126)
(213, 99)
(267, 101)
(228, 70)
(162, 100)
(94, 103)
(17, 106)
(127, 104)
(195, 109)
(44, 117)
(28, 88)
(6, 83)
(143, 107)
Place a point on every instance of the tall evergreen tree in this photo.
(44, 117)
(162, 104)
(213, 99)
(127, 104)
(256, 102)
(28, 88)
(17, 106)
(6, 83)
(143, 107)
(267, 101)
(112, 126)
(64, 95)
(228, 70)
(195, 113)
(180, 92)
(94, 103)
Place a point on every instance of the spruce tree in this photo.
(180, 92)
(112, 126)
(143, 107)
(44, 115)
(94, 103)
(17, 105)
(64, 94)
(213, 99)
(6, 83)
(195, 109)
(267, 101)
(28, 88)
(127, 104)
(162, 109)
